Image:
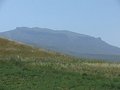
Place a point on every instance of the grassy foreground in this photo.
(25, 68)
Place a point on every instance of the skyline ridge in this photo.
(67, 42)
(57, 30)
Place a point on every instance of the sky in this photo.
(98, 18)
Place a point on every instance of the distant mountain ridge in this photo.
(62, 41)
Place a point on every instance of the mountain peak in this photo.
(61, 40)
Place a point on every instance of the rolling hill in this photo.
(23, 67)
(65, 42)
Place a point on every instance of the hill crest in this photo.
(61, 41)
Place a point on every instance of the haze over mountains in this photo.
(63, 41)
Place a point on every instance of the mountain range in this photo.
(64, 41)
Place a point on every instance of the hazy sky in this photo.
(99, 18)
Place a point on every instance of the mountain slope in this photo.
(23, 67)
(62, 41)
(9, 49)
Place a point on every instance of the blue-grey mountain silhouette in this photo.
(63, 41)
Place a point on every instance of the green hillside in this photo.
(23, 67)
